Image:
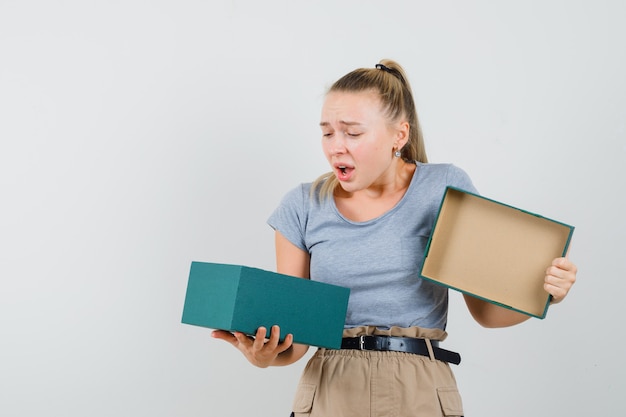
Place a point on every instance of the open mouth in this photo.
(344, 172)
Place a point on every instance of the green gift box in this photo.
(240, 298)
(494, 251)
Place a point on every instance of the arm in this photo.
(262, 352)
(560, 276)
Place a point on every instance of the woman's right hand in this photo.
(259, 350)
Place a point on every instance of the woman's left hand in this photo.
(560, 277)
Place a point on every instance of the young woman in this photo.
(365, 226)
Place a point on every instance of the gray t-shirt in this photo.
(380, 259)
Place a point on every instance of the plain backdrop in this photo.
(138, 136)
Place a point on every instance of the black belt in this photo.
(400, 344)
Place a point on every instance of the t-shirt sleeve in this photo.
(290, 217)
(458, 178)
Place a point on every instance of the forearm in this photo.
(491, 315)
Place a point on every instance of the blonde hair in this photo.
(390, 82)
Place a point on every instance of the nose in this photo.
(336, 145)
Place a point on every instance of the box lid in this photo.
(494, 251)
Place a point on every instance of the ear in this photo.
(402, 134)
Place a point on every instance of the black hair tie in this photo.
(384, 68)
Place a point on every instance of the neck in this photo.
(395, 180)
(372, 202)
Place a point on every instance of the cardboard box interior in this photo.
(494, 251)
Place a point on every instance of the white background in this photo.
(137, 136)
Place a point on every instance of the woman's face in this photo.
(359, 140)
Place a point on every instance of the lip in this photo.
(337, 164)
(343, 171)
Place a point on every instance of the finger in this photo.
(558, 287)
(564, 283)
(286, 344)
(259, 338)
(553, 272)
(224, 335)
(560, 272)
(274, 337)
(559, 277)
(564, 264)
(557, 293)
(559, 262)
(243, 340)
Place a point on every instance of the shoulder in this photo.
(299, 193)
(446, 173)
(299, 198)
(440, 170)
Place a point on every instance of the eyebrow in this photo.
(341, 122)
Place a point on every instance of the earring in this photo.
(397, 154)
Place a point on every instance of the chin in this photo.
(349, 187)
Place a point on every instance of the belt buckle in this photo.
(362, 342)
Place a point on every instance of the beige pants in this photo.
(345, 383)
